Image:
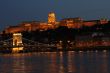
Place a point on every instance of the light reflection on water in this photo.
(56, 62)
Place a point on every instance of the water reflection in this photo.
(18, 63)
(71, 63)
(104, 66)
(56, 62)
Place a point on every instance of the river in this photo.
(56, 62)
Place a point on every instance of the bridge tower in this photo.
(17, 42)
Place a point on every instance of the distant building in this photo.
(90, 23)
(94, 39)
(27, 26)
(72, 22)
(13, 29)
(94, 22)
(30, 25)
(103, 21)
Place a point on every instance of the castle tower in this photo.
(51, 18)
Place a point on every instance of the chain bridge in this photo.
(17, 43)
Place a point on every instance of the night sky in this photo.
(12, 12)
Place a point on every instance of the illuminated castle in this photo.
(52, 24)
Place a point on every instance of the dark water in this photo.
(56, 62)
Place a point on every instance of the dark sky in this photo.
(12, 12)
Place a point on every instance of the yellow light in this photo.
(17, 49)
